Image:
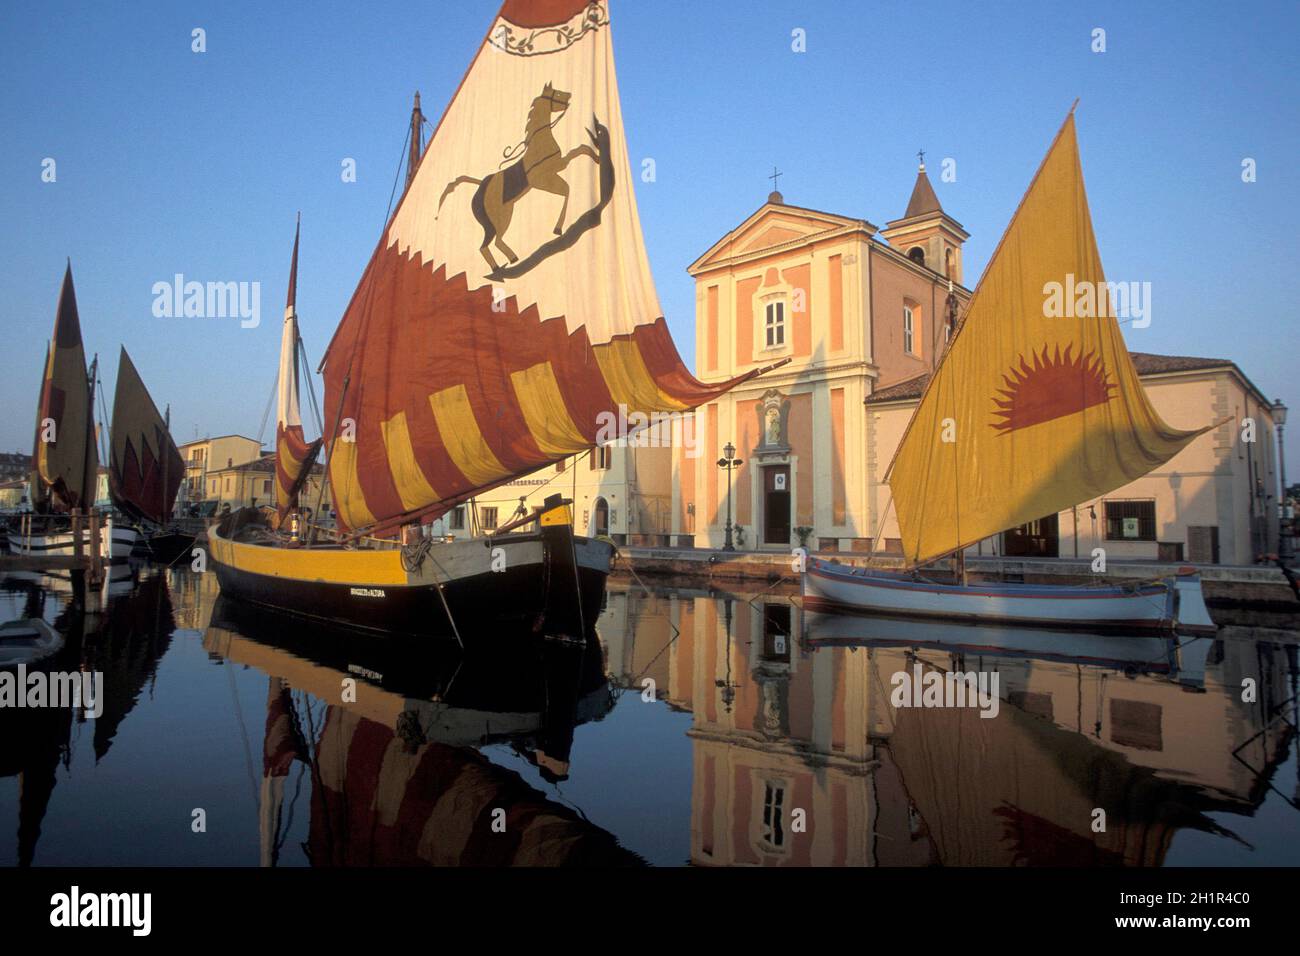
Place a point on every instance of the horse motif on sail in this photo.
(536, 163)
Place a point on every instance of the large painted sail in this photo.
(145, 466)
(65, 464)
(1031, 410)
(294, 455)
(509, 302)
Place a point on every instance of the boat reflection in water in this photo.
(124, 643)
(719, 729)
(386, 730)
(793, 712)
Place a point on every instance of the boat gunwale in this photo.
(891, 581)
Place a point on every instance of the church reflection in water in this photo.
(798, 753)
(796, 715)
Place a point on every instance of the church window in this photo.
(917, 255)
(909, 330)
(775, 325)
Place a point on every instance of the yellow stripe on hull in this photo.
(311, 564)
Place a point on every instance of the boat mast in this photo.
(90, 473)
(416, 146)
(162, 450)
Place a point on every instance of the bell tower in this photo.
(926, 234)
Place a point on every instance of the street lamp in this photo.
(726, 685)
(1279, 419)
(729, 461)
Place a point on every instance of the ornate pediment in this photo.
(775, 226)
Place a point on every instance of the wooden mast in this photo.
(416, 146)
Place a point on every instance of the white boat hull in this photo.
(115, 542)
(1139, 607)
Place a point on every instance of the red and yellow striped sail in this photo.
(65, 464)
(294, 455)
(1031, 410)
(509, 302)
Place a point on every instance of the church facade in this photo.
(853, 308)
(863, 315)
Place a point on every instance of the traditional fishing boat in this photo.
(145, 466)
(460, 365)
(1031, 411)
(65, 460)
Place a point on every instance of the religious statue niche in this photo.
(773, 424)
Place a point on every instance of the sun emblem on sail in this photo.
(1055, 385)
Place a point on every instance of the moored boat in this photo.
(1030, 411)
(145, 468)
(425, 588)
(1141, 606)
(65, 460)
(28, 642)
(462, 365)
(46, 536)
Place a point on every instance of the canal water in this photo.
(699, 728)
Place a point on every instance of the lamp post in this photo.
(729, 461)
(726, 685)
(1279, 419)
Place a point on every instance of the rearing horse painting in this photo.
(539, 167)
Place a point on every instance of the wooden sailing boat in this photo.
(1026, 415)
(462, 364)
(65, 462)
(294, 455)
(145, 466)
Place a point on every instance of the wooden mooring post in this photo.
(96, 578)
(79, 555)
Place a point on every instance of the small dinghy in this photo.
(28, 641)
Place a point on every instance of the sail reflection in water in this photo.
(695, 727)
(395, 779)
(794, 715)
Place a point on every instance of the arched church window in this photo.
(917, 255)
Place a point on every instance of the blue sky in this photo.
(170, 161)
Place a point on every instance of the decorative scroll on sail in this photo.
(509, 302)
(145, 466)
(65, 464)
(294, 455)
(1031, 410)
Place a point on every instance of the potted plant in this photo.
(802, 532)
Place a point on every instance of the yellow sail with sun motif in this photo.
(1036, 406)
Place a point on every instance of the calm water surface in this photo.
(706, 729)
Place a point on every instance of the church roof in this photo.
(923, 200)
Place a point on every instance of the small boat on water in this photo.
(65, 460)
(145, 467)
(28, 642)
(461, 365)
(1035, 407)
(1141, 606)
